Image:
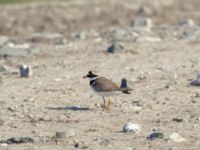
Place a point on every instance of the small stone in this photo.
(4, 144)
(25, 71)
(130, 127)
(76, 145)
(142, 22)
(148, 39)
(69, 132)
(60, 135)
(3, 40)
(176, 138)
(115, 47)
(144, 11)
(50, 38)
(17, 51)
(178, 119)
(18, 140)
(12, 109)
(155, 135)
(197, 81)
(79, 35)
(3, 68)
(186, 22)
(197, 95)
(105, 142)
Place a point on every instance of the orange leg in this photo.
(104, 104)
(108, 105)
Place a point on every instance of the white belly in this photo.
(105, 94)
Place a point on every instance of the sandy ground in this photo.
(160, 73)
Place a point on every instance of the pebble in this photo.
(3, 40)
(17, 51)
(144, 11)
(105, 142)
(3, 68)
(130, 127)
(148, 39)
(18, 140)
(178, 119)
(25, 71)
(50, 38)
(197, 81)
(79, 35)
(142, 22)
(176, 138)
(115, 47)
(197, 95)
(60, 135)
(154, 135)
(186, 22)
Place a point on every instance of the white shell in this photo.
(176, 137)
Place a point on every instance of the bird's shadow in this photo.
(73, 108)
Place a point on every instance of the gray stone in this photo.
(60, 135)
(142, 22)
(178, 119)
(144, 11)
(25, 71)
(49, 38)
(186, 22)
(154, 135)
(3, 40)
(105, 142)
(3, 68)
(79, 35)
(197, 81)
(18, 140)
(191, 33)
(17, 50)
(115, 47)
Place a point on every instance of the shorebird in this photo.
(105, 88)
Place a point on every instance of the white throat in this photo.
(94, 78)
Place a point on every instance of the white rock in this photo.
(4, 144)
(142, 22)
(130, 127)
(176, 137)
(148, 39)
(186, 22)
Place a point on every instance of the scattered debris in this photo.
(176, 137)
(130, 127)
(154, 135)
(18, 140)
(25, 71)
(115, 47)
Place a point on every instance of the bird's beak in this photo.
(85, 76)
